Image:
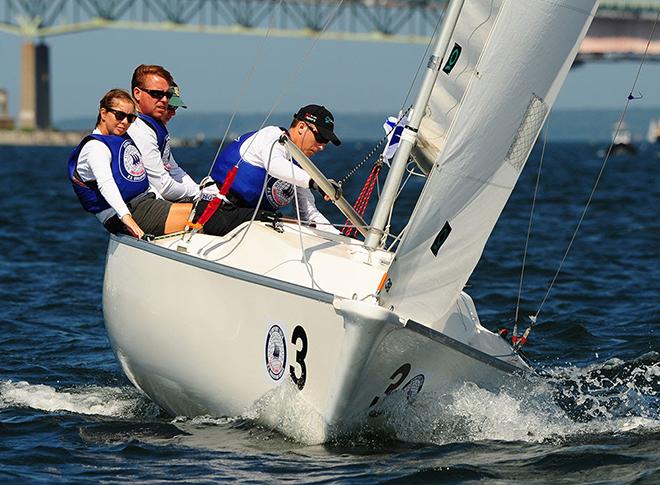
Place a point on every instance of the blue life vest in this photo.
(162, 137)
(250, 179)
(127, 170)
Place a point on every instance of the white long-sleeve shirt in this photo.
(256, 150)
(94, 164)
(165, 175)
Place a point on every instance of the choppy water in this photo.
(67, 413)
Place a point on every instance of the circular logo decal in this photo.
(275, 352)
(132, 168)
(413, 387)
(279, 192)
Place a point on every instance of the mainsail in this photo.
(500, 75)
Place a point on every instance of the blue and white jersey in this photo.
(162, 136)
(254, 150)
(165, 175)
(128, 172)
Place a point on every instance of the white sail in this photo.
(471, 33)
(522, 59)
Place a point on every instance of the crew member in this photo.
(261, 159)
(173, 104)
(110, 180)
(150, 87)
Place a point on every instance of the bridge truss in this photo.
(375, 20)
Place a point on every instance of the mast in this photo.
(342, 204)
(409, 135)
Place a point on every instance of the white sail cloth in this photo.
(515, 56)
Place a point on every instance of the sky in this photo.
(219, 73)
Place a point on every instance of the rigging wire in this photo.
(239, 100)
(424, 56)
(630, 97)
(287, 86)
(529, 226)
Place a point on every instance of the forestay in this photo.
(514, 58)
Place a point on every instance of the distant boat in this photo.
(622, 140)
(310, 332)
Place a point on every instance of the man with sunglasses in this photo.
(175, 103)
(151, 87)
(260, 158)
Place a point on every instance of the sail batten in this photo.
(482, 120)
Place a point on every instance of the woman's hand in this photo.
(132, 226)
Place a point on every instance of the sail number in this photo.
(411, 388)
(299, 337)
(398, 377)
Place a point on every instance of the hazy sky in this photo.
(214, 73)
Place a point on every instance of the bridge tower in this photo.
(34, 112)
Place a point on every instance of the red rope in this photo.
(362, 201)
(217, 201)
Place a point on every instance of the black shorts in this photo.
(149, 212)
(226, 218)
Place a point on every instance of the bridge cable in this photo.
(630, 97)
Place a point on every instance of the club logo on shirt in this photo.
(131, 167)
(279, 193)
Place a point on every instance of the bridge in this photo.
(620, 30)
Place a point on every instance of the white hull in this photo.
(200, 336)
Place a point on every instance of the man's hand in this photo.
(335, 185)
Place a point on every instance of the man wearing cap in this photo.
(151, 87)
(260, 158)
(175, 103)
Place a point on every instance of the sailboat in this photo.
(311, 333)
(622, 142)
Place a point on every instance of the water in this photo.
(67, 413)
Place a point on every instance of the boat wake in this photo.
(118, 402)
(609, 398)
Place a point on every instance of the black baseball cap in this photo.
(320, 117)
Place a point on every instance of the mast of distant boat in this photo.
(409, 135)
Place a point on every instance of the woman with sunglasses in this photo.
(110, 180)
(260, 158)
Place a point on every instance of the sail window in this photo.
(527, 132)
(440, 238)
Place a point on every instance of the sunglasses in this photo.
(120, 115)
(157, 93)
(172, 108)
(317, 136)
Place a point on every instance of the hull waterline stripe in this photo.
(463, 348)
(224, 270)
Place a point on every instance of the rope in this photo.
(529, 230)
(533, 318)
(363, 199)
